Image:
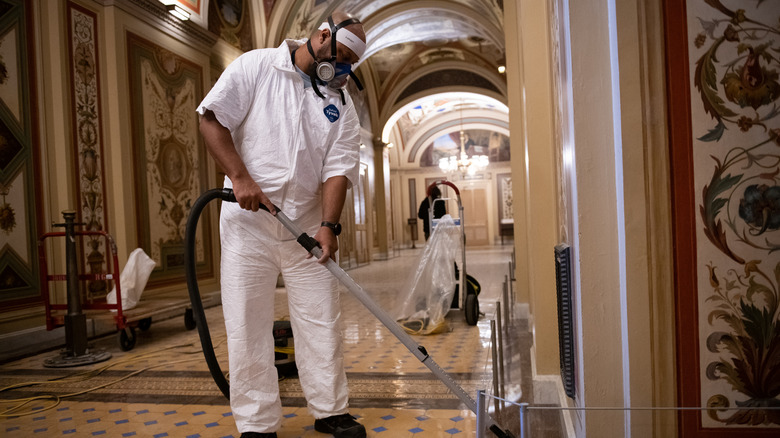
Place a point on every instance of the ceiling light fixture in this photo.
(502, 65)
(465, 164)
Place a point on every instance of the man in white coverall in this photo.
(285, 132)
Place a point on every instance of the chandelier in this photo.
(461, 162)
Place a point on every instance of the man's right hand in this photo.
(250, 196)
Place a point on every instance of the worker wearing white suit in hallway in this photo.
(286, 133)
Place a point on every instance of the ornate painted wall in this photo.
(169, 157)
(729, 310)
(231, 21)
(20, 223)
(88, 140)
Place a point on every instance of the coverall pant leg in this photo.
(251, 261)
(315, 316)
(250, 266)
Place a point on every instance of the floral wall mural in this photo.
(88, 140)
(734, 56)
(169, 157)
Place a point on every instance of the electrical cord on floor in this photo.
(86, 375)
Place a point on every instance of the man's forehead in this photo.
(344, 53)
(350, 40)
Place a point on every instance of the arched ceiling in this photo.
(417, 123)
(418, 53)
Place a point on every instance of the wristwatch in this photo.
(336, 228)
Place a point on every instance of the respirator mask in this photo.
(335, 74)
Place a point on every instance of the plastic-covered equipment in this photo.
(467, 301)
(424, 309)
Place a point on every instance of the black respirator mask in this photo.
(334, 74)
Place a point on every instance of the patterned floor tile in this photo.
(392, 393)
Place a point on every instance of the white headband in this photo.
(349, 39)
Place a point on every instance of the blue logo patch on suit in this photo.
(331, 112)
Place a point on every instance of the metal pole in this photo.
(463, 256)
(524, 421)
(76, 347)
(75, 320)
(480, 413)
(502, 386)
(514, 261)
(495, 361)
(511, 286)
(506, 299)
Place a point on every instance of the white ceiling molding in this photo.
(391, 115)
(489, 74)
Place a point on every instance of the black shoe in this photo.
(258, 435)
(340, 426)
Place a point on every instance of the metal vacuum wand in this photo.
(311, 245)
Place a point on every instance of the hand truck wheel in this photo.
(127, 338)
(472, 309)
(145, 324)
(189, 319)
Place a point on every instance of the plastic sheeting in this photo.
(133, 279)
(424, 308)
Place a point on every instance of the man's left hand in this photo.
(328, 242)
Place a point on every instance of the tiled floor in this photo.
(162, 387)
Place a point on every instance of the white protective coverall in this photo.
(291, 142)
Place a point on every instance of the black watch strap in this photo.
(336, 228)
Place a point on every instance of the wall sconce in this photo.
(362, 146)
(390, 145)
(502, 65)
(176, 10)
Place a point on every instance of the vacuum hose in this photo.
(192, 284)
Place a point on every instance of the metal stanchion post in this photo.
(514, 260)
(524, 421)
(506, 299)
(502, 376)
(480, 413)
(76, 349)
(511, 285)
(75, 320)
(495, 363)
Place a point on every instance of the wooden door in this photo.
(347, 254)
(475, 216)
(361, 225)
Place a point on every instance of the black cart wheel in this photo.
(189, 320)
(127, 339)
(472, 309)
(145, 324)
